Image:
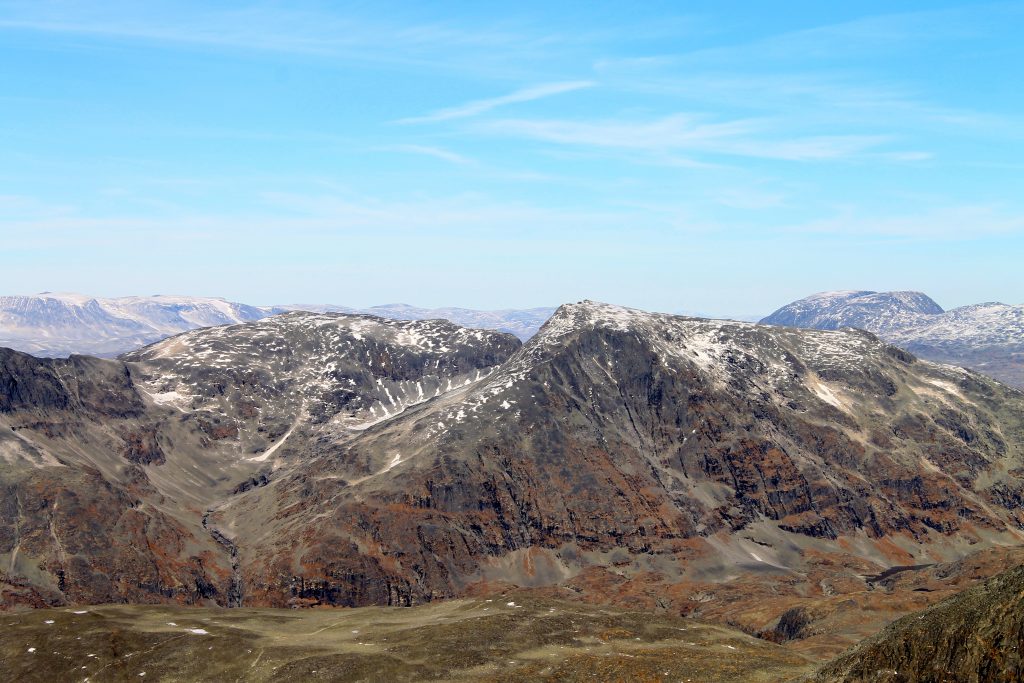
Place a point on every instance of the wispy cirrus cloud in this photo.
(868, 35)
(431, 151)
(806, 75)
(891, 32)
(404, 39)
(749, 199)
(477, 107)
(961, 222)
(821, 97)
(327, 218)
(247, 28)
(685, 132)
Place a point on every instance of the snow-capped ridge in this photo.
(865, 309)
(722, 351)
(352, 371)
(986, 336)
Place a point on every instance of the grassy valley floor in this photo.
(511, 637)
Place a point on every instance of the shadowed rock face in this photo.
(350, 460)
(79, 519)
(79, 383)
(971, 637)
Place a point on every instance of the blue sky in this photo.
(717, 157)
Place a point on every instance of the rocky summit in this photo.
(718, 469)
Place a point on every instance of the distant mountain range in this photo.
(50, 324)
(58, 324)
(987, 337)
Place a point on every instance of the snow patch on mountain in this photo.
(523, 323)
(725, 353)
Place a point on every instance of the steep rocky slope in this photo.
(973, 637)
(619, 455)
(986, 337)
(110, 469)
(80, 520)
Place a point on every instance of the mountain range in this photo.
(58, 325)
(987, 337)
(51, 324)
(727, 470)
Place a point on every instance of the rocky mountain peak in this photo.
(587, 314)
(351, 370)
(865, 309)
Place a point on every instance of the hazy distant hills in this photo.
(51, 324)
(872, 311)
(987, 337)
(60, 324)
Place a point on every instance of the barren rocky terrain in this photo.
(803, 487)
(974, 636)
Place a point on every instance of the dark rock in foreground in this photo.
(976, 636)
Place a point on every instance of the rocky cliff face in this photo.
(351, 460)
(679, 447)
